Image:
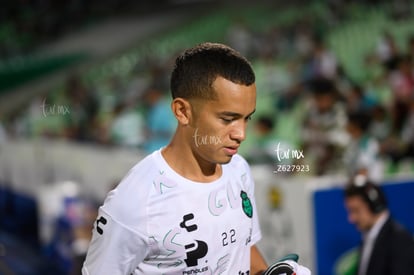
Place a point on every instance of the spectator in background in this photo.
(387, 247)
(322, 62)
(324, 125)
(401, 81)
(263, 150)
(266, 143)
(380, 126)
(160, 121)
(362, 153)
(357, 100)
(302, 40)
(407, 134)
(128, 125)
(410, 46)
(84, 110)
(373, 71)
(239, 37)
(387, 49)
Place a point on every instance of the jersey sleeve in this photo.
(120, 240)
(114, 248)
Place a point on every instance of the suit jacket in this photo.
(393, 251)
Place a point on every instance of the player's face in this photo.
(359, 213)
(220, 124)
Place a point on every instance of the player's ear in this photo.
(182, 110)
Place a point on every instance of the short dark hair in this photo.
(321, 86)
(196, 69)
(369, 192)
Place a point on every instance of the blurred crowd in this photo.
(345, 126)
(108, 115)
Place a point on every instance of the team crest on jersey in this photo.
(246, 204)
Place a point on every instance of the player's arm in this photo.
(287, 265)
(257, 262)
(114, 249)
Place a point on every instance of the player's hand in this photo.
(287, 265)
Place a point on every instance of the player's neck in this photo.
(184, 162)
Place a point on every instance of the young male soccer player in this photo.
(189, 207)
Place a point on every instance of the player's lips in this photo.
(231, 150)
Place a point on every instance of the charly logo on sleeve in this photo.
(246, 204)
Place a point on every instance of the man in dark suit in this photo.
(388, 248)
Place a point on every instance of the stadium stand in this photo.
(289, 49)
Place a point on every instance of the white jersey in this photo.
(158, 222)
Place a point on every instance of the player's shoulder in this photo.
(146, 166)
(142, 174)
(238, 166)
(135, 187)
(137, 181)
(238, 162)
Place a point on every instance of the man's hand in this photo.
(287, 265)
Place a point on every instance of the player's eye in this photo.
(227, 120)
